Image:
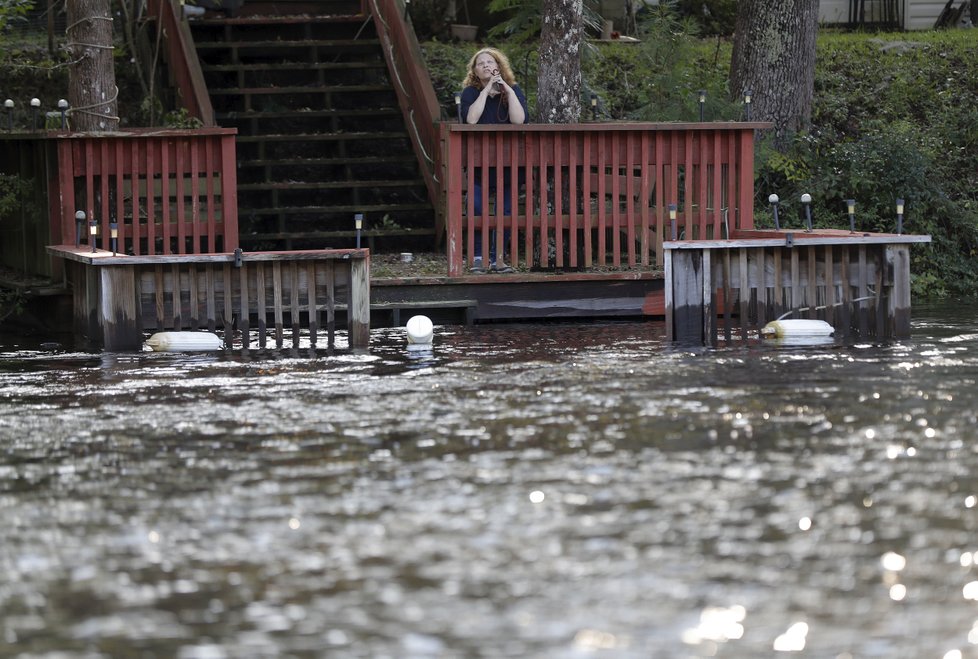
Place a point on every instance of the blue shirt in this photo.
(494, 112)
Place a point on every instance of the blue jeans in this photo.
(477, 210)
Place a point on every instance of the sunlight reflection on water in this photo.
(525, 490)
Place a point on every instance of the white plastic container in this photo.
(184, 341)
(420, 330)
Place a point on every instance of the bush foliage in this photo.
(894, 117)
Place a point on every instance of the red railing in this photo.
(185, 72)
(167, 191)
(415, 93)
(593, 195)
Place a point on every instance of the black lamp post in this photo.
(114, 236)
(63, 107)
(702, 103)
(899, 209)
(358, 222)
(79, 226)
(458, 106)
(775, 202)
(92, 233)
(806, 201)
(35, 108)
(851, 208)
(9, 105)
(747, 102)
(672, 221)
(594, 107)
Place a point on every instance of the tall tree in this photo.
(774, 59)
(559, 70)
(92, 91)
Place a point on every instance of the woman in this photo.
(490, 95)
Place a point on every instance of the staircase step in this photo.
(307, 114)
(265, 45)
(276, 19)
(329, 185)
(323, 211)
(291, 66)
(319, 137)
(314, 162)
(263, 91)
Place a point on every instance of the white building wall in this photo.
(916, 14)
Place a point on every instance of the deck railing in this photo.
(415, 93)
(593, 195)
(185, 72)
(166, 191)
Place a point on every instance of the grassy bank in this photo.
(894, 117)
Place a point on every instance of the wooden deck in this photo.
(118, 297)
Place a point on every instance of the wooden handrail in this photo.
(586, 195)
(415, 93)
(182, 59)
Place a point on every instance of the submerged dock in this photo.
(117, 297)
(857, 282)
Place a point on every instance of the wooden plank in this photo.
(688, 297)
(160, 304)
(311, 296)
(330, 305)
(669, 300)
(615, 164)
(211, 303)
(863, 308)
(812, 294)
(558, 202)
(359, 304)
(119, 313)
(260, 305)
(194, 301)
(228, 306)
(244, 304)
(726, 274)
(586, 200)
(644, 194)
(898, 261)
(602, 159)
(830, 298)
(165, 196)
(294, 302)
(795, 292)
(708, 295)
(277, 302)
(176, 297)
(744, 293)
(151, 199)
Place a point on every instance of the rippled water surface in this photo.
(518, 491)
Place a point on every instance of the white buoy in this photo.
(796, 327)
(184, 341)
(420, 330)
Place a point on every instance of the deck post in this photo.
(359, 306)
(688, 286)
(898, 261)
(118, 310)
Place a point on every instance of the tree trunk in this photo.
(774, 59)
(559, 72)
(92, 91)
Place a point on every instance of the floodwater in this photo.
(560, 490)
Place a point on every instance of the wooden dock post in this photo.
(117, 298)
(858, 283)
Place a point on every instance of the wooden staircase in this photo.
(321, 138)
